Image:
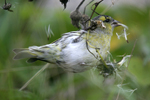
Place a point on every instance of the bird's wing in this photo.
(68, 38)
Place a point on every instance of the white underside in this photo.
(78, 58)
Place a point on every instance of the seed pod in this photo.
(7, 6)
(75, 18)
(84, 21)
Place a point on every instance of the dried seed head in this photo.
(75, 18)
(84, 21)
(7, 6)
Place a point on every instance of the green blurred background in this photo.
(26, 27)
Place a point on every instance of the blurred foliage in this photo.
(26, 27)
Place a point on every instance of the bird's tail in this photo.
(27, 53)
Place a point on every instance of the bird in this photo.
(76, 51)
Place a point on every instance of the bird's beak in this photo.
(116, 23)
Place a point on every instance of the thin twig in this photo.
(26, 84)
(86, 6)
(97, 50)
(112, 2)
(109, 7)
(96, 4)
(119, 89)
(127, 67)
(89, 50)
(87, 45)
(79, 5)
(132, 52)
(5, 2)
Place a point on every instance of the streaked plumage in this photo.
(71, 51)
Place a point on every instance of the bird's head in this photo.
(106, 23)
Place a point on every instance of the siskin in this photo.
(76, 51)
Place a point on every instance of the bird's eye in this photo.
(107, 20)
